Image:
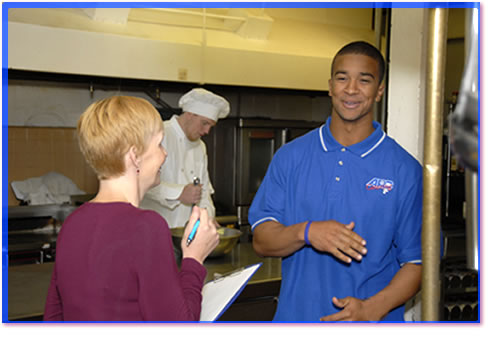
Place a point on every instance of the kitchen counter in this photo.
(243, 255)
(27, 290)
(28, 284)
(258, 300)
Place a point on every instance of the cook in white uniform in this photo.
(187, 158)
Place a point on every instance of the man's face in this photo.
(198, 126)
(354, 87)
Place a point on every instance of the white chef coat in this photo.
(185, 160)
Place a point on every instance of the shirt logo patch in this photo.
(380, 184)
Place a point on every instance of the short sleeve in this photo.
(409, 220)
(269, 202)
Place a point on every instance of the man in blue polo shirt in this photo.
(342, 206)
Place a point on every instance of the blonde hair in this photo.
(110, 127)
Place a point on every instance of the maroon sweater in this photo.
(115, 262)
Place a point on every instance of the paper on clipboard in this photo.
(220, 293)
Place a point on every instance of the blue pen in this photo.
(193, 232)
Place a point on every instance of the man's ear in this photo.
(380, 91)
(330, 87)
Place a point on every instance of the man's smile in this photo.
(350, 104)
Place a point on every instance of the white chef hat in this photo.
(205, 103)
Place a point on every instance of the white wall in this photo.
(296, 54)
(406, 92)
(406, 99)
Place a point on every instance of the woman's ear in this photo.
(134, 158)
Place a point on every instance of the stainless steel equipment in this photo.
(472, 217)
(239, 152)
(32, 232)
(464, 122)
(460, 264)
(464, 133)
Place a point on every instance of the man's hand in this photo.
(402, 287)
(338, 239)
(353, 310)
(191, 194)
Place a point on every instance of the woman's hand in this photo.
(206, 238)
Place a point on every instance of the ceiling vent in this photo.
(108, 15)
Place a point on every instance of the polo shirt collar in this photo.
(362, 149)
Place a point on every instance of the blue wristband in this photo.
(306, 233)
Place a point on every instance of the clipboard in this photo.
(221, 292)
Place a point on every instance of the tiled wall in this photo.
(35, 151)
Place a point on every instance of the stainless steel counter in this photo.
(28, 284)
(243, 255)
(57, 211)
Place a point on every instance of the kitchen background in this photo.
(270, 63)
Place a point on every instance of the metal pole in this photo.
(436, 60)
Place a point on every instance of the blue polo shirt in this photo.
(375, 183)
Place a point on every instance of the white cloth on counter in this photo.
(185, 160)
(51, 188)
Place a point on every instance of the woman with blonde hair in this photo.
(115, 261)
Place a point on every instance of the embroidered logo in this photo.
(380, 184)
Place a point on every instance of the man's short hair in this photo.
(110, 127)
(363, 48)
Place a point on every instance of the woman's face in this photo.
(152, 160)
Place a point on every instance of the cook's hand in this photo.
(353, 309)
(338, 239)
(206, 238)
(191, 194)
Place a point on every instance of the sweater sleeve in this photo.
(165, 293)
(53, 305)
(192, 276)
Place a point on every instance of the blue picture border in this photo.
(8, 5)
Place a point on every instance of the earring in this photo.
(138, 170)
